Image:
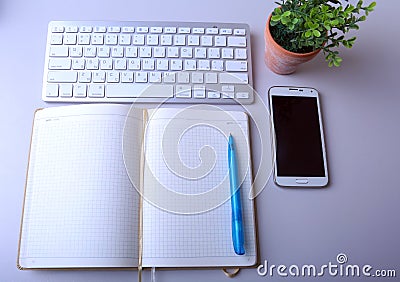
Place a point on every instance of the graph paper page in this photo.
(186, 207)
(80, 209)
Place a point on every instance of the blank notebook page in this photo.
(80, 209)
(196, 236)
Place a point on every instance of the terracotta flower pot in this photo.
(280, 60)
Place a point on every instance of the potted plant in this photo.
(298, 29)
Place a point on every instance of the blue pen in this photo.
(237, 222)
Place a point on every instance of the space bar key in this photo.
(136, 90)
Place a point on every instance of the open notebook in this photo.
(112, 187)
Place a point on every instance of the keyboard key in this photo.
(100, 29)
(183, 77)
(83, 39)
(193, 40)
(211, 78)
(114, 29)
(242, 95)
(239, 31)
(131, 52)
(103, 52)
(112, 76)
(155, 77)
(213, 95)
(92, 64)
(56, 39)
(128, 29)
(85, 76)
(117, 52)
(236, 66)
(217, 65)
(59, 76)
(52, 90)
(237, 41)
(179, 40)
(156, 29)
(170, 30)
(198, 30)
(169, 77)
(76, 51)
(111, 39)
(184, 30)
(211, 30)
(79, 64)
(96, 90)
(159, 52)
(190, 65)
(239, 78)
(220, 41)
(197, 77)
(89, 51)
(127, 77)
(99, 76)
(97, 39)
(57, 29)
(60, 64)
(240, 54)
(141, 77)
(183, 91)
(225, 31)
(203, 65)
(166, 39)
(142, 29)
(86, 29)
(134, 64)
(65, 90)
(106, 64)
(162, 64)
(227, 53)
(214, 53)
(206, 40)
(79, 90)
(70, 39)
(125, 39)
(58, 51)
(152, 39)
(139, 90)
(199, 92)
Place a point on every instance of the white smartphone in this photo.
(298, 138)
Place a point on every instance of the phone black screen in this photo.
(298, 137)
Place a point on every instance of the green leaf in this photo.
(354, 26)
(277, 11)
(334, 22)
(371, 6)
(285, 20)
(337, 61)
(308, 34)
(316, 33)
(276, 18)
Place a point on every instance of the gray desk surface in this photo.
(358, 214)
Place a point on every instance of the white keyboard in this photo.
(172, 62)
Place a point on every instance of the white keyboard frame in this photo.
(248, 87)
